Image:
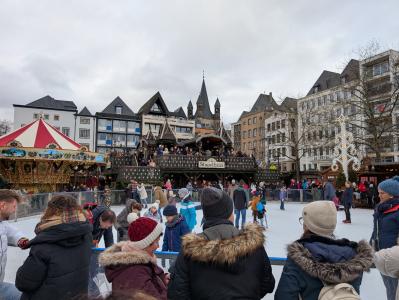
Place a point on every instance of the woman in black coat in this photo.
(58, 263)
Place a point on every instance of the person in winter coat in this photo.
(386, 226)
(317, 258)
(232, 187)
(103, 220)
(152, 212)
(122, 223)
(9, 236)
(240, 198)
(187, 209)
(143, 194)
(222, 262)
(131, 191)
(329, 191)
(58, 263)
(161, 196)
(283, 196)
(347, 198)
(387, 262)
(176, 228)
(132, 266)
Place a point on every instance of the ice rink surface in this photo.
(284, 227)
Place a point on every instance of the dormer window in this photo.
(315, 89)
(118, 110)
(155, 108)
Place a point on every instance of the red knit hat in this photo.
(144, 231)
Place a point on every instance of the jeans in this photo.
(94, 291)
(8, 291)
(390, 285)
(243, 213)
(282, 204)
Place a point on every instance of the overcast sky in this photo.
(92, 51)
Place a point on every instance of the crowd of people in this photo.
(227, 260)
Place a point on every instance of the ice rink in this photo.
(284, 227)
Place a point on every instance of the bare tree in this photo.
(5, 127)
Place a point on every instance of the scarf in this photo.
(67, 216)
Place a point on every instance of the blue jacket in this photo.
(347, 197)
(189, 213)
(386, 225)
(98, 232)
(315, 260)
(173, 234)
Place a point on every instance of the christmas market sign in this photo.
(211, 164)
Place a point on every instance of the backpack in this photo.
(260, 207)
(87, 210)
(341, 291)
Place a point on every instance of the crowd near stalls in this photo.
(64, 260)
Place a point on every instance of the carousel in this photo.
(39, 158)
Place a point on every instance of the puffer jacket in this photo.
(188, 211)
(222, 263)
(174, 232)
(387, 262)
(58, 263)
(386, 226)
(133, 270)
(314, 260)
(9, 236)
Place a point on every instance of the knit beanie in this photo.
(320, 217)
(390, 186)
(132, 217)
(170, 210)
(155, 205)
(183, 192)
(216, 204)
(144, 231)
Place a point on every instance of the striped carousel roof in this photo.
(39, 134)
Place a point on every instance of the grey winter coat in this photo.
(387, 262)
(9, 236)
(121, 220)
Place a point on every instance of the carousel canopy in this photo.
(39, 134)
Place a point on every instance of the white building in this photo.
(58, 113)
(85, 129)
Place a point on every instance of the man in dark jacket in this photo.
(347, 197)
(58, 263)
(222, 262)
(103, 220)
(240, 198)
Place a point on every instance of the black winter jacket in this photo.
(58, 263)
(98, 232)
(240, 198)
(222, 263)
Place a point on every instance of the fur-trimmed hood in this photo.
(223, 251)
(333, 272)
(122, 254)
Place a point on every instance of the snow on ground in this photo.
(284, 227)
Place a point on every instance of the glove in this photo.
(23, 243)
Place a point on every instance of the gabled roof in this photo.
(351, 71)
(326, 80)
(180, 113)
(167, 133)
(156, 99)
(110, 109)
(289, 104)
(202, 100)
(85, 112)
(48, 102)
(263, 103)
(224, 135)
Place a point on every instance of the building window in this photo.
(273, 126)
(133, 127)
(268, 127)
(380, 69)
(155, 108)
(254, 120)
(66, 130)
(284, 151)
(104, 125)
(244, 134)
(56, 117)
(84, 120)
(35, 116)
(132, 141)
(84, 133)
(119, 126)
(249, 133)
(282, 123)
(118, 110)
(46, 117)
(254, 132)
(249, 121)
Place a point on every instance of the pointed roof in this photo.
(167, 132)
(224, 135)
(190, 104)
(351, 71)
(39, 134)
(289, 104)
(180, 113)
(118, 102)
(326, 80)
(205, 112)
(156, 99)
(217, 103)
(263, 103)
(48, 102)
(85, 112)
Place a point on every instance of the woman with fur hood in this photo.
(222, 262)
(132, 266)
(317, 259)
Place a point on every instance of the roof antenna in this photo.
(203, 74)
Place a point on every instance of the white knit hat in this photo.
(320, 217)
(155, 204)
(132, 217)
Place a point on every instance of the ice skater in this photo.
(283, 197)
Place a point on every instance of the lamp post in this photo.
(344, 150)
